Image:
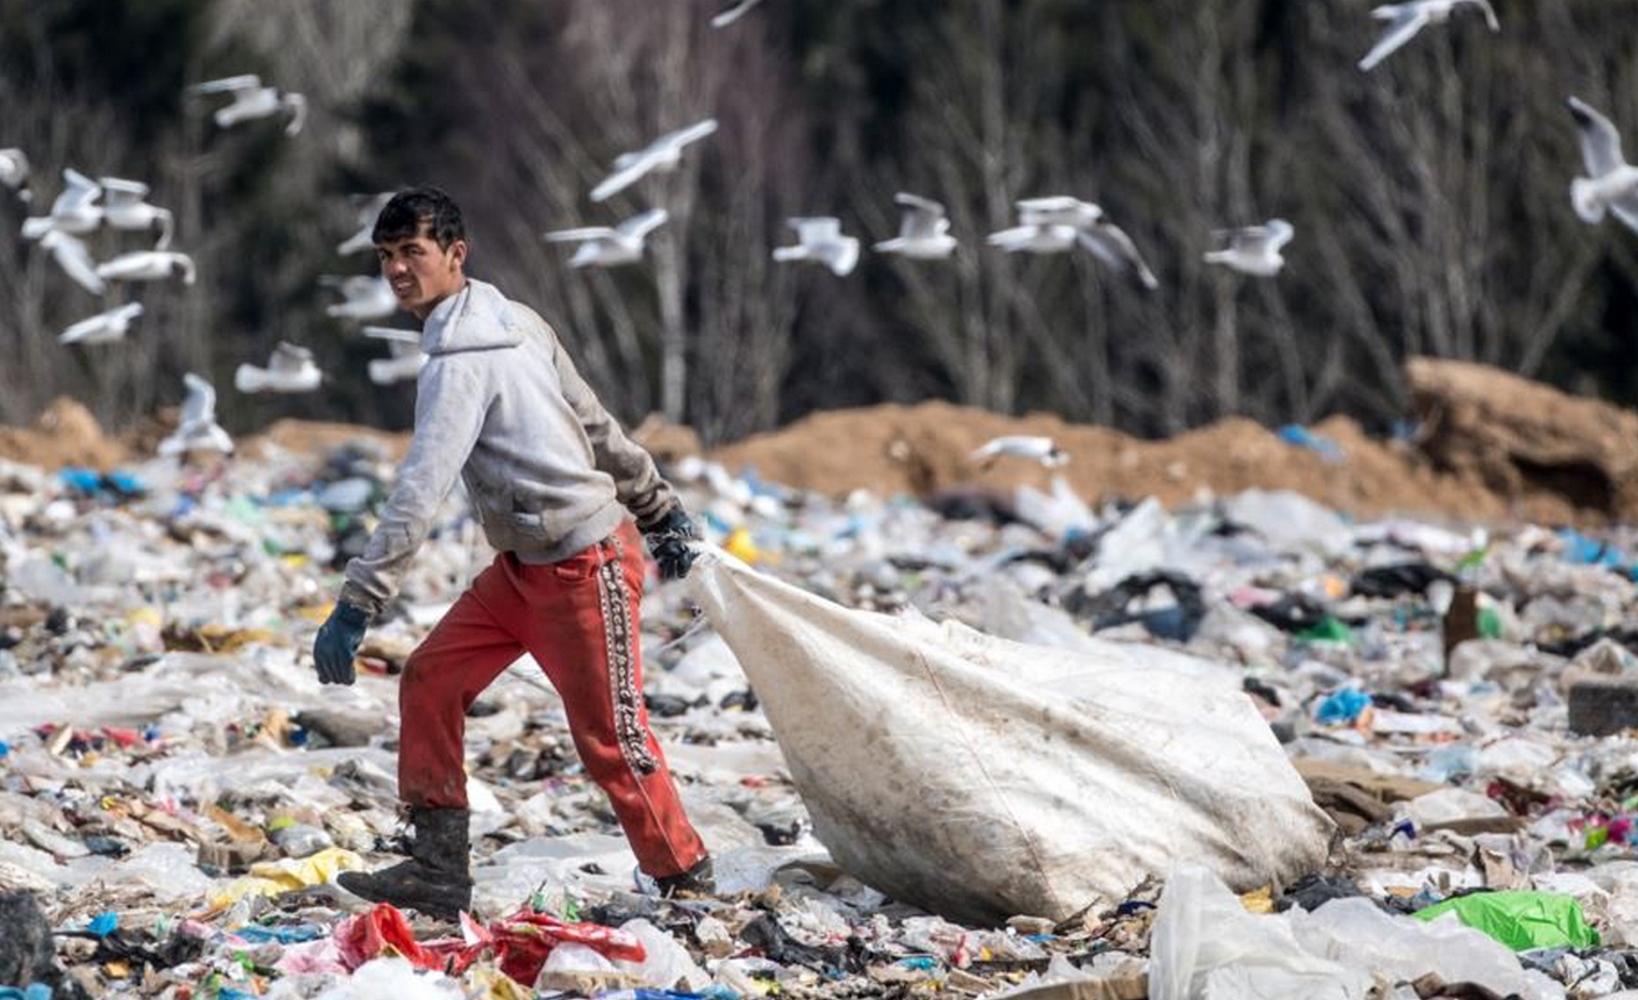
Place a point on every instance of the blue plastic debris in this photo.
(920, 963)
(1302, 437)
(1343, 706)
(104, 924)
(255, 934)
(5, 749)
(38, 991)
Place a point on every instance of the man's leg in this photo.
(462, 656)
(583, 630)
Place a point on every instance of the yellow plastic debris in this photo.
(270, 878)
(739, 544)
(1259, 900)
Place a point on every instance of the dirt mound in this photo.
(926, 448)
(1535, 448)
(65, 433)
(310, 437)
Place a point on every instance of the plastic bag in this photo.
(973, 776)
(1520, 919)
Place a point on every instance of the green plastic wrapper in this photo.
(1520, 919)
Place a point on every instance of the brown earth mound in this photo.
(927, 448)
(1527, 443)
(310, 437)
(65, 433)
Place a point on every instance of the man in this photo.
(551, 477)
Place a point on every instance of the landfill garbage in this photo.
(162, 734)
(1001, 741)
(1521, 920)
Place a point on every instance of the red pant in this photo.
(578, 618)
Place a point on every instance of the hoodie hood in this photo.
(477, 318)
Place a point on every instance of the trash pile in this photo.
(177, 791)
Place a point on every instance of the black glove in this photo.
(337, 643)
(668, 542)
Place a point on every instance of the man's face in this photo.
(421, 272)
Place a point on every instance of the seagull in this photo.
(1036, 449)
(1254, 250)
(733, 12)
(149, 265)
(819, 238)
(1612, 182)
(71, 255)
(1409, 18)
(103, 328)
(1047, 225)
(127, 209)
(369, 208)
(199, 430)
(924, 234)
(407, 357)
(252, 100)
(74, 212)
(662, 154)
(1058, 223)
(601, 246)
(14, 173)
(290, 369)
(367, 297)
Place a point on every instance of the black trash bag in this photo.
(1110, 608)
(1292, 612)
(766, 933)
(1397, 580)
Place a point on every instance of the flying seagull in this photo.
(601, 246)
(75, 211)
(733, 12)
(1406, 19)
(1047, 225)
(1254, 250)
(367, 297)
(103, 328)
(1611, 184)
(71, 255)
(924, 233)
(149, 265)
(820, 239)
(251, 100)
(126, 208)
(290, 369)
(14, 173)
(369, 208)
(663, 154)
(199, 430)
(1035, 449)
(407, 357)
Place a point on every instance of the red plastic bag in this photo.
(524, 940)
(382, 930)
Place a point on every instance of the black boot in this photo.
(699, 880)
(435, 880)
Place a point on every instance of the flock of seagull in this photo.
(1045, 225)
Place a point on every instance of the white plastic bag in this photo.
(980, 778)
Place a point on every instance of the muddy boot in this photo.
(435, 880)
(696, 881)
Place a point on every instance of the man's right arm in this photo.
(451, 403)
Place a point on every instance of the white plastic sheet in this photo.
(981, 778)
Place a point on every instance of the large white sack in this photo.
(981, 778)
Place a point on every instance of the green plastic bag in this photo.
(1520, 919)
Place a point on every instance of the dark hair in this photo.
(409, 211)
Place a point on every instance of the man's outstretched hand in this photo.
(668, 540)
(337, 643)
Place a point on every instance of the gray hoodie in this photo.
(499, 402)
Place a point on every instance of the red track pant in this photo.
(578, 618)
